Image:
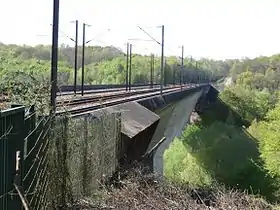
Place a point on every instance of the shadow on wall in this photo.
(226, 150)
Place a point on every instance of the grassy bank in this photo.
(219, 153)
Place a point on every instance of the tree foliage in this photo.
(219, 147)
(104, 65)
(219, 150)
(250, 104)
(268, 135)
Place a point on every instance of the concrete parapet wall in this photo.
(159, 102)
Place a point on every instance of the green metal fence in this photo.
(11, 141)
(20, 130)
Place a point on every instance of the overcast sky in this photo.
(216, 29)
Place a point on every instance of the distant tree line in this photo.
(105, 65)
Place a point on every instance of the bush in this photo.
(250, 104)
(267, 133)
(180, 166)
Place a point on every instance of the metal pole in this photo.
(182, 64)
(162, 57)
(130, 64)
(153, 69)
(127, 66)
(196, 71)
(76, 58)
(190, 75)
(164, 78)
(180, 76)
(54, 55)
(174, 75)
(83, 58)
(151, 73)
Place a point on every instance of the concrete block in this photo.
(138, 126)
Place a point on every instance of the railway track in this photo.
(103, 97)
(98, 98)
(83, 105)
(69, 89)
(104, 90)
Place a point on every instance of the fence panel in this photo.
(11, 141)
(35, 162)
(20, 132)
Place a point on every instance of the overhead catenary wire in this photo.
(104, 32)
(144, 40)
(162, 71)
(72, 39)
(98, 40)
(149, 35)
(66, 35)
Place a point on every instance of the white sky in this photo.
(215, 29)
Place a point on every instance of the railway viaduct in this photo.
(149, 125)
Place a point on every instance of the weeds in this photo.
(143, 191)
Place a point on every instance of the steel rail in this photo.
(96, 98)
(101, 90)
(89, 88)
(84, 109)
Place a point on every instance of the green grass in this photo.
(181, 166)
(218, 153)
